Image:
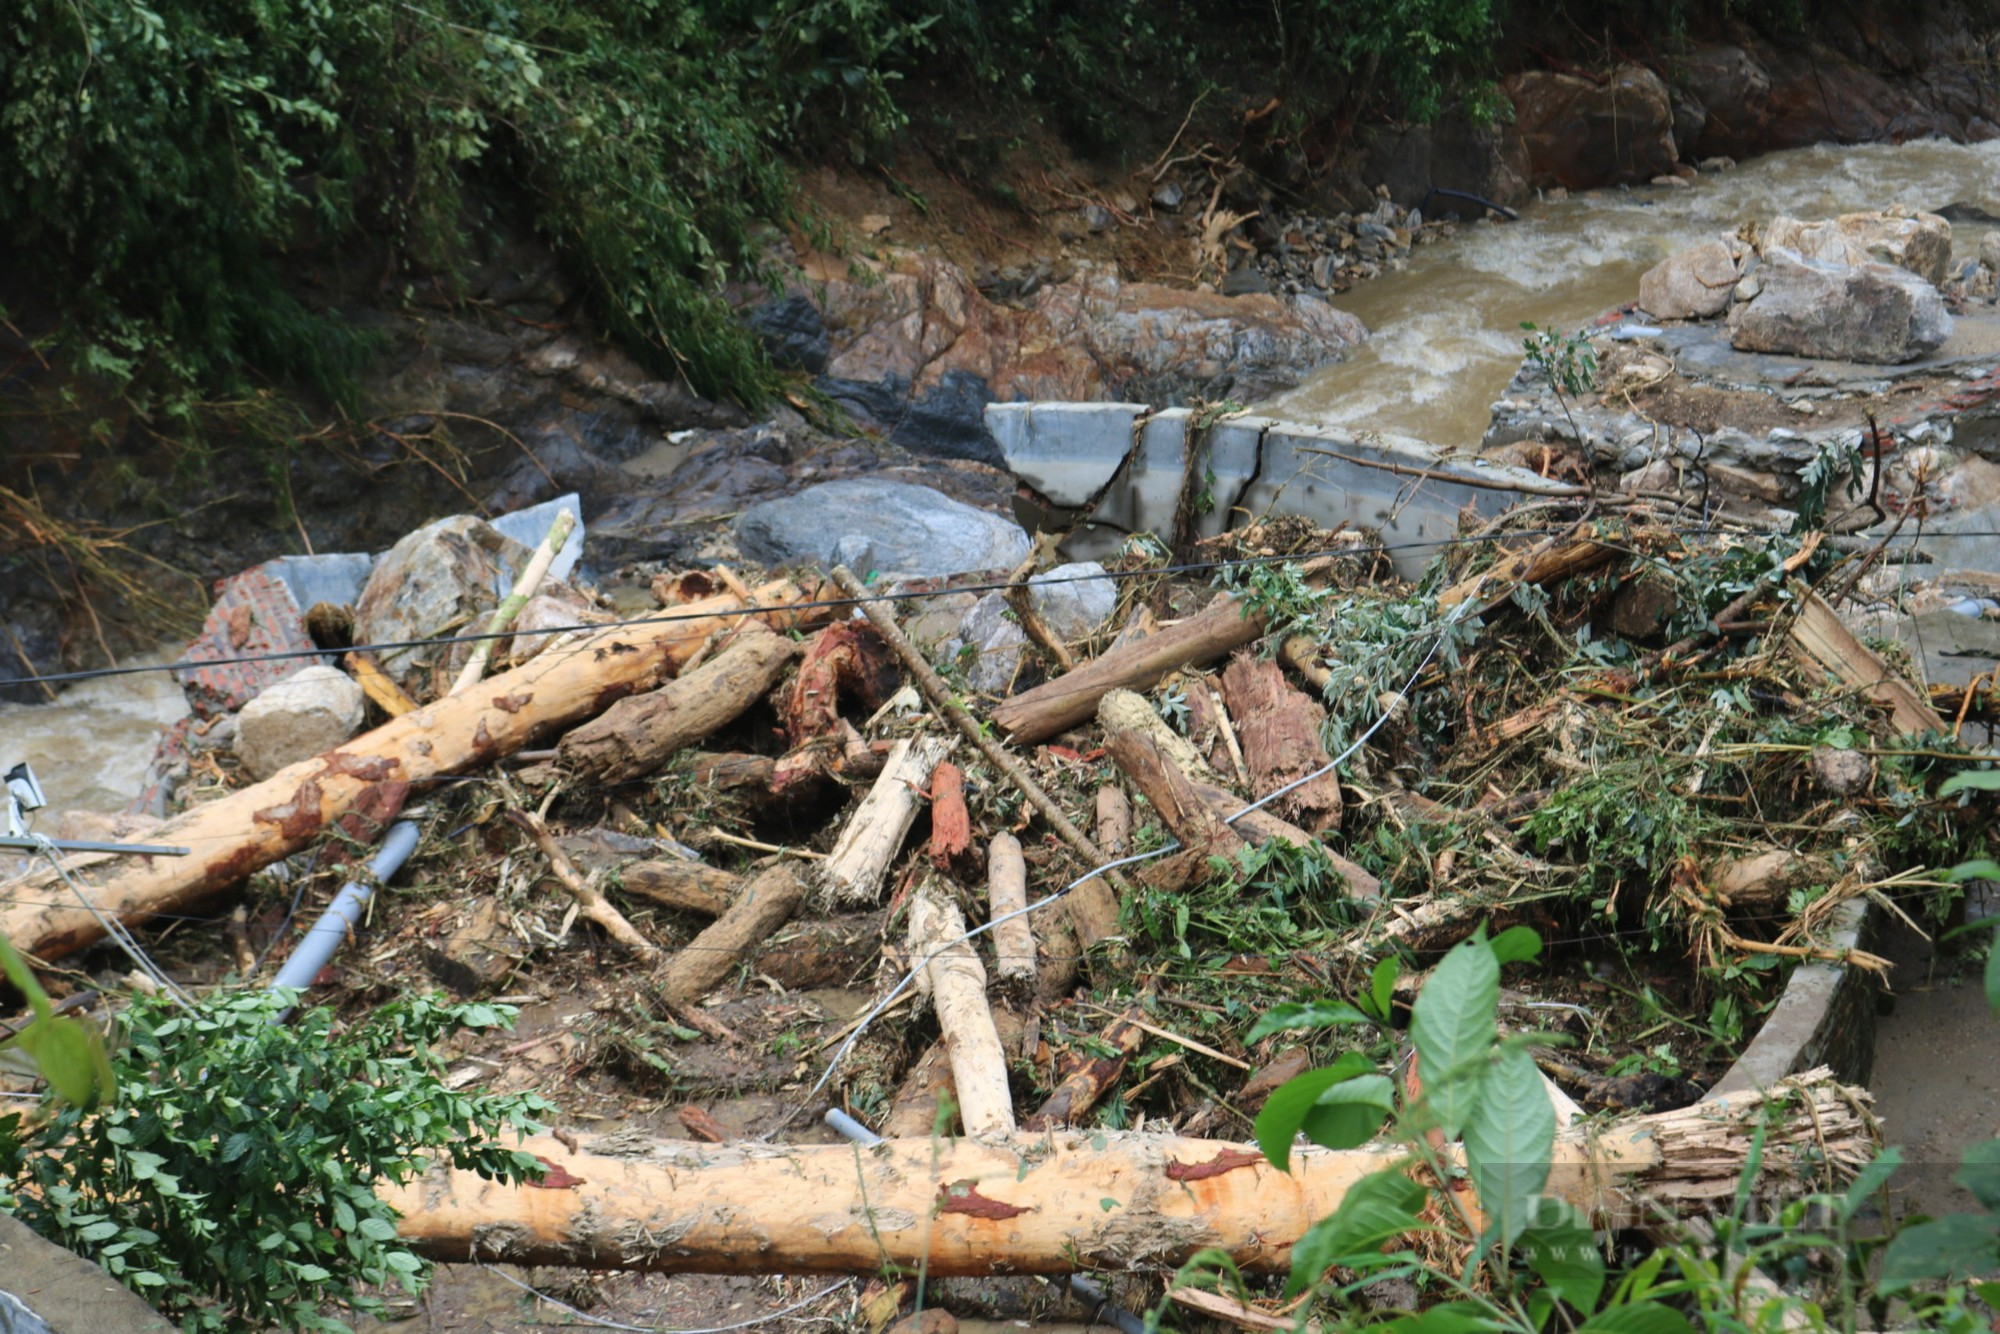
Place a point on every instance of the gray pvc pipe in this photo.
(326, 935)
(1087, 1290)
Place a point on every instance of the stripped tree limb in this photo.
(853, 871)
(251, 828)
(1279, 726)
(1036, 1204)
(949, 972)
(1114, 820)
(1007, 893)
(510, 606)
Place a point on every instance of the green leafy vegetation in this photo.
(1526, 1263)
(231, 1184)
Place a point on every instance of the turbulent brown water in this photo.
(1446, 331)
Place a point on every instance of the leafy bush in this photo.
(162, 160)
(232, 1184)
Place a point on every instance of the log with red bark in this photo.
(635, 736)
(1065, 1200)
(846, 663)
(1090, 1073)
(362, 783)
(1279, 727)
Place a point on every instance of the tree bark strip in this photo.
(636, 736)
(764, 905)
(1035, 1204)
(913, 1113)
(951, 823)
(1279, 727)
(251, 828)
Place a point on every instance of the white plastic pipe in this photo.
(327, 934)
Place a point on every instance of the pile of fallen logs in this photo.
(1000, 852)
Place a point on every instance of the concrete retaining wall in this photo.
(1249, 467)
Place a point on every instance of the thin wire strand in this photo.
(675, 618)
(116, 929)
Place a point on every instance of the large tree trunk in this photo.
(1057, 1202)
(636, 736)
(249, 829)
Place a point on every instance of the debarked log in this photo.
(247, 830)
(1062, 1201)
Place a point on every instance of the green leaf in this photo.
(1349, 1113)
(1638, 1318)
(378, 1229)
(1308, 1015)
(1382, 985)
(1376, 1209)
(1285, 1111)
(1517, 944)
(104, 1231)
(1979, 1172)
(1941, 1247)
(1983, 869)
(1452, 1027)
(1460, 1317)
(1507, 1145)
(1971, 780)
(1565, 1257)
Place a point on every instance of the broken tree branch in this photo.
(255, 826)
(595, 906)
(1092, 905)
(635, 736)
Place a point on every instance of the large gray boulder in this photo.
(1074, 600)
(444, 579)
(306, 714)
(873, 525)
(1692, 285)
(1877, 313)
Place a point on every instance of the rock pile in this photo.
(1861, 287)
(1308, 254)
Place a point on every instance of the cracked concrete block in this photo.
(1066, 451)
(1229, 466)
(1415, 516)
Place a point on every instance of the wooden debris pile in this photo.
(714, 854)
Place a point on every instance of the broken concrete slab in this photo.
(55, 1290)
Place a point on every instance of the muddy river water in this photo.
(1446, 331)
